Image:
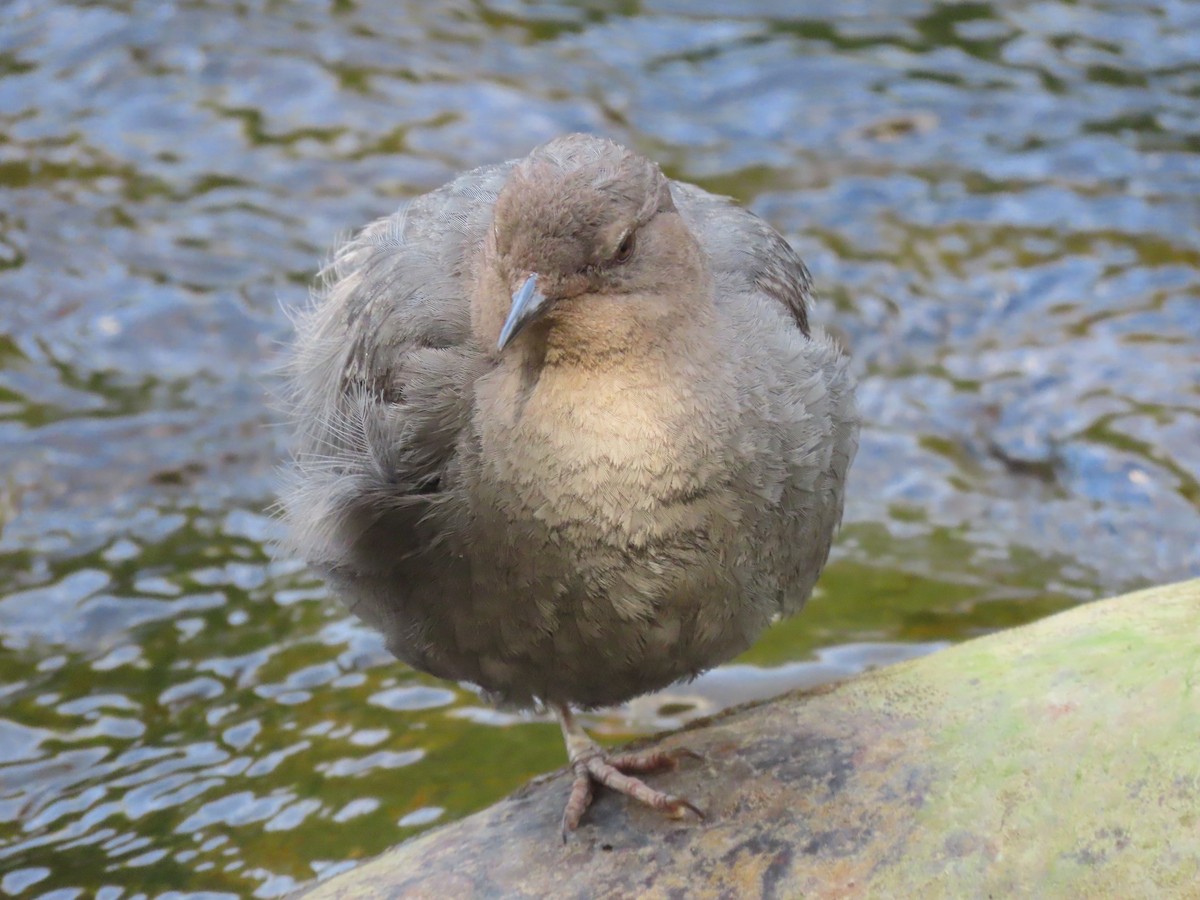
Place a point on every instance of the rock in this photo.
(1058, 759)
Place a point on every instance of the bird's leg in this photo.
(591, 765)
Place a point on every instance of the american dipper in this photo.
(562, 430)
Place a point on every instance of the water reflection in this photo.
(998, 202)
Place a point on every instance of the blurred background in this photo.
(1000, 204)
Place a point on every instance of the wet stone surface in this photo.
(998, 203)
(868, 787)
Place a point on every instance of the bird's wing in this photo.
(808, 405)
(745, 253)
(379, 383)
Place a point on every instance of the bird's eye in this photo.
(625, 248)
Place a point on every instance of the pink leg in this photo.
(592, 765)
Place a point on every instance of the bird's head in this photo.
(583, 223)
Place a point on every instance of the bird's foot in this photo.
(614, 772)
(592, 765)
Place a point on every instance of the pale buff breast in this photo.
(574, 449)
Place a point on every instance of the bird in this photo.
(562, 429)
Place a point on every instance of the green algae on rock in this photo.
(1056, 759)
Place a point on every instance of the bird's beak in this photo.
(526, 304)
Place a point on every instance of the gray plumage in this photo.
(629, 491)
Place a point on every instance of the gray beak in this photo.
(526, 304)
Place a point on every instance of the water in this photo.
(999, 202)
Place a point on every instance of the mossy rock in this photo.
(1061, 759)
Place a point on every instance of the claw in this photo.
(591, 766)
(580, 799)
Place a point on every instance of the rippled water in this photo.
(1000, 204)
